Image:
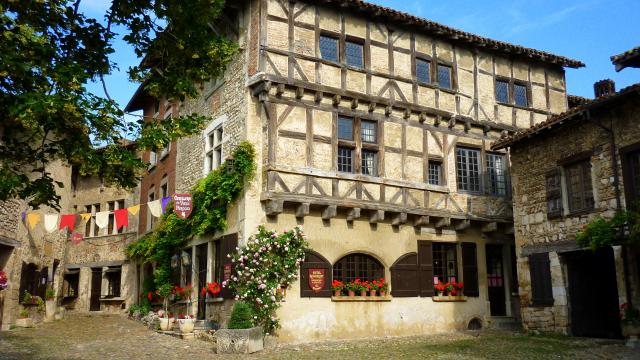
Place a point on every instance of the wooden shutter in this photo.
(470, 269)
(540, 270)
(227, 246)
(313, 260)
(24, 280)
(425, 268)
(404, 276)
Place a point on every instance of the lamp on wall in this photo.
(186, 259)
(174, 261)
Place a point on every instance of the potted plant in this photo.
(165, 320)
(241, 337)
(186, 322)
(337, 286)
(453, 288)
(50, 296)
(4, 280)
(630, 318)
(24, 320)
(352, 287)
(361, 287)
(381, 286)
(440, 288)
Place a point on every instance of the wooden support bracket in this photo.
(463, 224)
(399, 219)
(330, 211)
(354, 103)
(372, 107)
(273, 207)
(421, 221)
(353, 214)
(299, 92)
(376, 216)
(280, 90)
(302, 210)
(336, 100)
(442, 222)
(318, 96)
(489, 227)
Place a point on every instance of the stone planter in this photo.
(24, 322)
(239, 341)
(166, 323)
(186, 325)
(631, 332)
(50, 310)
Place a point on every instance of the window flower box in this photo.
(361, 298)
(449, 298)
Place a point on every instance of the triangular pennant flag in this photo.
(155, 208)
(33, 219)
(50, 222)
(102, 219)
(165, 202)
(67, 221)
(122, 218)
(85, 217)
(133, 210)
(24, 215)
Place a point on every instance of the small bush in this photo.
(50, 294)
(24, 314)
(241, 316)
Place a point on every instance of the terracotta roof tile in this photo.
(622, 60)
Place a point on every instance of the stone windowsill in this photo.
(449, 298)
(112, 299)
(360, 298)
(214, 300)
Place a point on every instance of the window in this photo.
(496, 178)
(368, 131)
(445, 262)
(111, 225)
(113, 275)
(165, 151)
(29, 280)
(435, 172)
(214, 149)
(468, 169)
(353, 52)
(631, 168)
(329, 48)
(423, 71)
(150, 218)
(579, 192)
(520, 95)
(345, 128)
(502, 91)
(357, 266)
(70, 283)
(554, 194)
(153, 159)
(96, 229)
(164, 188)
(345, 159)
(369, 163)
(444, 76)
(540, 272)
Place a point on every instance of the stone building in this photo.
(574, 167)
(373, 130)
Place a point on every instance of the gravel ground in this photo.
(98, 336)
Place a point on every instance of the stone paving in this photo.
(98, 336)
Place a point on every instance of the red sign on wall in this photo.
(76, 238)
(227, 272)
(317, 279)
(182, 205)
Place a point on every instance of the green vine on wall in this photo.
(211, 198)
(622, 229)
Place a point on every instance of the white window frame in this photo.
(209, 148)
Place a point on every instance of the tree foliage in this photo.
(50, 51)
(622, 229)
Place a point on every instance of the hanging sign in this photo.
(227, 272)
(182, 205)
(317, 279)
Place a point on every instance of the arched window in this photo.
(358, 266)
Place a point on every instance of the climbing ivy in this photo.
(211, 198)
(623, 228)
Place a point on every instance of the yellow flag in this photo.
(85, 216)
(33, 219)
(133, 210)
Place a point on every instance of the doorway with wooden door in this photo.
(495, 280)
(96, 289)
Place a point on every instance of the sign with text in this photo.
(227, 272)
(182, 205)
(317, 279)
(76, 238)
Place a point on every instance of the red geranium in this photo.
(337, 285)
(150, 296)
(214, 288)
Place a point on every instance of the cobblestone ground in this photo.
(115, 337)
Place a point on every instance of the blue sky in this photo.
(586, 30)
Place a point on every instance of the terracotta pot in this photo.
(337, 293)
(372, 293)
(383, 293)
(351, 293)
(363, 292)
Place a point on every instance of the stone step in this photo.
(505, 323)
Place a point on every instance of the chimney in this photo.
(604, 87)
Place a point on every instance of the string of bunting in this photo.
(183, 206)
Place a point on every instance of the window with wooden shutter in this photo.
(425, 268)
(313, 261)
(631, 176)
(228, 244)
(540, 271)
(579, 190)
(470, 269)
(404, 276)
(358, 266)
(554, 194)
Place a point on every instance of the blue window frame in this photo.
(329, 48)
(354, 54)
(444, 76)
(502, 91)
(423, 73)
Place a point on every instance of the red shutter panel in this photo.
(425, 268)
(313, 260)
(228, 246)
(470, 269)
(404, 276)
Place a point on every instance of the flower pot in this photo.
(165, 324)
(351, 293)
(336, 293)
(186, 325)
(440, 293)
(363, 292)
(383, 293)
(372, 293)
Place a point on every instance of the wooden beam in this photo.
(463, 224)
(421, 221)
(330, 211)
(336, 100)
(299, 92)
(376, 216)
(302, 210)
(354, 103)
(489, 227)
(372, 106)
(353, 214)
(273, 207)
(279, 89)
(399, 219)
(442, 222)
(318, 96)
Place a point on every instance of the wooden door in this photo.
(202, 257)
(495, 281)
(96, 289)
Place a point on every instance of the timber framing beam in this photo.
(399, 219)
(353, 214)
(273, 207)
(489, 227)
(376, 216)
(442, 222)
(421, 221)
(302, 210)
(330, 211)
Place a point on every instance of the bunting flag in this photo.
(155, 208)
(24, 216)
(85, 217)
(50, 222)
(33, 219)
(102, 219)
(67, 221)
(165, 202)
(133, 210)
(122, 218)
